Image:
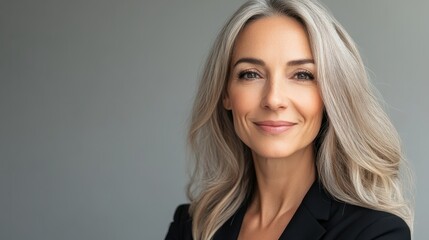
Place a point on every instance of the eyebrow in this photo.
(300, 62)
(261, 63)
(250, 60)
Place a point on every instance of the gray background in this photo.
(95, 97)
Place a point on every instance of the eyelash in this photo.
(308, 75)
(242, 75)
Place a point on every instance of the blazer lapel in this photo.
(305, 225)
(231, 228)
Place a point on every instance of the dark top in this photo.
(318, 217)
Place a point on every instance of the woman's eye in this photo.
(304, 76)
(248, 75)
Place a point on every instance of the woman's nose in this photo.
(275, 94)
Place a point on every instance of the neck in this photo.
(282, 184)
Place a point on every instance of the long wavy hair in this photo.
(358, 149)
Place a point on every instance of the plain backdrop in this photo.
(95, 98)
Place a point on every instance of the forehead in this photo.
(270, 36)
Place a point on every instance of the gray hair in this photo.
(358, 149)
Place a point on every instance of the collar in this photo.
(304, 225)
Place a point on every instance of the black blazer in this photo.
(318, 217)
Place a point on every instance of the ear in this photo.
(226, 102)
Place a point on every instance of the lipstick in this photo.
(274, 127)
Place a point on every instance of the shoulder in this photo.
(182, 213)
(385, 226)
(350, 221)
(181, 227)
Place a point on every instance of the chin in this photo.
(272, 153)
(280, 152)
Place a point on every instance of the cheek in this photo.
(243, 100)
(311, 107)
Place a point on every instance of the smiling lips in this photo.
(274, 127)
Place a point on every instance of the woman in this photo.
(289, 140)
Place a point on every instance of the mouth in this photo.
(274, 127)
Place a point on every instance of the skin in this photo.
(273, 78)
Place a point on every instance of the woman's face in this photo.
(272, 89)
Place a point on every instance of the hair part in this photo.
(358, 149)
